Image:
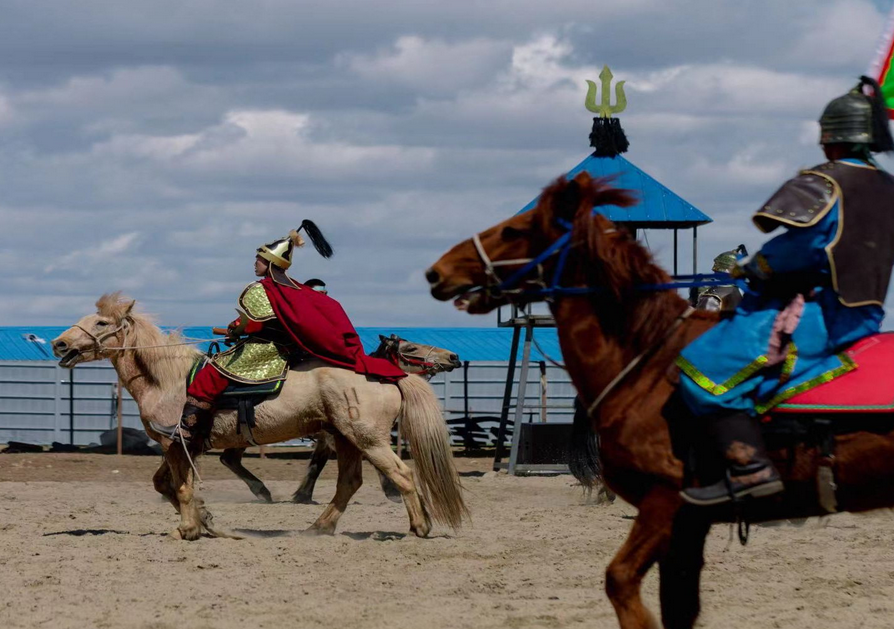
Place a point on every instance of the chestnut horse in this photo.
(607, 323)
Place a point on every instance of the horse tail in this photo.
(429, 440)
(583, 454)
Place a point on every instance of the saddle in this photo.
(243, 398)
(860, 400)
(867, 389)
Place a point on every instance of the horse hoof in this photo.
(420, 531)
(302, 499)
(190, 533)
(175, 534)
(264, 496)
(314, 531)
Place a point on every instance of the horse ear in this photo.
(382, 338)
(129, 308)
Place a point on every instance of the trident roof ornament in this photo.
(606, 109)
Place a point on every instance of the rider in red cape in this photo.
(319, 325)
(283, 321)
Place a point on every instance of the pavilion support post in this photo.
(694, 250)
(676, 270)
(520, 399)
(507, 397)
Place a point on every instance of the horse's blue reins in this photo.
(562, 247)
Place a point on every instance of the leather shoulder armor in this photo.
(801, 202)
(255, 303)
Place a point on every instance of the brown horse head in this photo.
(88, 339)
(472, 272)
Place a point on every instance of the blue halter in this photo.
(562, 247)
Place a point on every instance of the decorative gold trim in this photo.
(847, 365)
(255, 303)
(719, 389)
(268, 255)
(788, 365)
(816, 219)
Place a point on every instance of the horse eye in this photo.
(410, 348)
(101, 324)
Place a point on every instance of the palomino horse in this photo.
(619, 342)
(152, 366)
(416, 358)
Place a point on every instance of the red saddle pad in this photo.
(867, 389)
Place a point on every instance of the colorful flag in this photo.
(882, 68)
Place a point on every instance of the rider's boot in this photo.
(749, 470)
(194, 425)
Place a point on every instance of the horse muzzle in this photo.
(70, 358)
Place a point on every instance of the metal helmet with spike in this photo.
(726, 261)
(857, 118)
(279, 252)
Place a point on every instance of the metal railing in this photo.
(41, 403)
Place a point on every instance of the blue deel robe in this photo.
(724, 369)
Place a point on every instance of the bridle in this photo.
(497, 287)
(515, 285)
(426, 367)
(98, 346)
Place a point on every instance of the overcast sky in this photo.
(152, 147)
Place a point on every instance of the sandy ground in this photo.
(83, 543)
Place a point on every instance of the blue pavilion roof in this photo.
(659, 207)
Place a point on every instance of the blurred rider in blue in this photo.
(814, 290)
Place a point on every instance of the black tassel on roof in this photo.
(608, 137)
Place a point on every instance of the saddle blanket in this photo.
(867, 389)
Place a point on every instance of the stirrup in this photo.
(727, 490)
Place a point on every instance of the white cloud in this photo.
(843, 34)
(104, 252)
(399, 127)
(431, 67)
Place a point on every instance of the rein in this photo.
(562, 246)
(428, 368)
(98, 346)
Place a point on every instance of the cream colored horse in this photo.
(358, 411)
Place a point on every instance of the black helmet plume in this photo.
(881, 132)
(317, 239)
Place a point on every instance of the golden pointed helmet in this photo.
(279, 252)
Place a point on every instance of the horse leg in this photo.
(182, 475)
(350, 478)
(232, 460)
(648, 537)
(305, 493)
(680, 570)
(392, 492)
(164, 484)
(390, 466)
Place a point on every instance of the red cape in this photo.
(318, 324)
